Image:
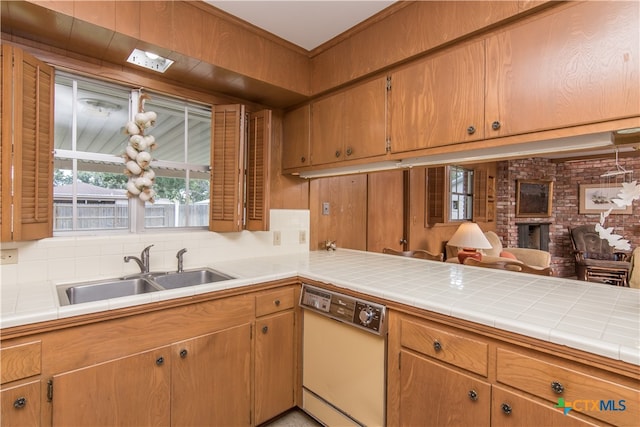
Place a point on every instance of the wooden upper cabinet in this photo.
(295, 152)
(227, 152)
(571, 66)
(257, 174)
(350, 124)
(27, 129)
(439, 100)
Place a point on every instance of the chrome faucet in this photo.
(179, 255)
(143, 261)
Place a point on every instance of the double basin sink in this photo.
(143, 283)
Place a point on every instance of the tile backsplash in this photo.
(93, 257)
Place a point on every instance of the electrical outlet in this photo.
(8, 256)
(302, 237)
(277, 238)
(325, 208)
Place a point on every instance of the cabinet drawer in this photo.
(20, 361)
(274, 301)
(584, 393)
(456, 349)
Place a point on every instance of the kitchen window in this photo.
(461, 194)
(89, 181)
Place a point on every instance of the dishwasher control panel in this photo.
(366, 315)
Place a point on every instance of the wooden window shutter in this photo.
(480, 195)
(436, 195)
(227, 168)
(30, 100)
(258, 151)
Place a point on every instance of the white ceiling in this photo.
(306, 23)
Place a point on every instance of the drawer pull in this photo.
(160, 361)
(506, 408)
(473, 395)
(495, 125)
(265, 329)
(183, 353)
(437, 346)
(471, 130)
(20, 403)
(277, 303)
(557, 387)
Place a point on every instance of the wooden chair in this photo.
(510, 266)
(418, 253)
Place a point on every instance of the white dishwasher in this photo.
(344, 359)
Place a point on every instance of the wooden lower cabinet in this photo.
(511, 409)
(131, 391)
(448, 373)
(431, 394)
(205, 380)
(274, 365)
(20, 405)
(211, 379)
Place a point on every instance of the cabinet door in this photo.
(20, 405)
(431, 394)
(510, 409)
(365, 120)
(275, 365)
(438, 101)
(295, 145)
(327, 130)
(210, 379)
(574, 66)
(27, 138)
(132, 391)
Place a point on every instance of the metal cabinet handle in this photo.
(471, 130)
(506, 408)
(473, 395)
(183, 353)
(265, 329)
(437, 346)
(277, 303)
(160, 361)
(557, 387)
(303, 159)
(349, 151)
(495, 125)
(20, 403)
(338, 153)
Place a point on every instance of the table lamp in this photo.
(469, 237)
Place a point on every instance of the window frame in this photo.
(136, 207)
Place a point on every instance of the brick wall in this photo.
(566, 177)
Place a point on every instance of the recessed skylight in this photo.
(149, 60)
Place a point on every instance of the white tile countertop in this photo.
(600, 319)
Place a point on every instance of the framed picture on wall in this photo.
(533, 198)
(596, 198)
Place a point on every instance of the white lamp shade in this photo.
(469, 235)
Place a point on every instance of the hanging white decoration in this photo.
(630, 191)
(137, 155)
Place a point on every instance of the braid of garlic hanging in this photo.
(137, 155)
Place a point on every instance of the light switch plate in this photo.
(277, 237)
(302, 237)
(325, 208)
(8, 256)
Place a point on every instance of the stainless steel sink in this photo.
(99, 290)
(190, 278)
(104, 289)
